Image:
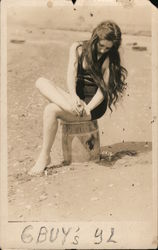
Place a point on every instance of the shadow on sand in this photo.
(110, 154)
(108, 157)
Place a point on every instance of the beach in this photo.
(115, 189)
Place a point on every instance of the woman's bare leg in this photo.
(52, 113)
(54, 94)
(50, 125)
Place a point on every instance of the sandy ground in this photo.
(118, 188)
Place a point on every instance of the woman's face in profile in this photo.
(104, 46)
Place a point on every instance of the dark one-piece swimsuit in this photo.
(86, 88)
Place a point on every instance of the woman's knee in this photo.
(51, 110)
(39, 82)
(43, 83)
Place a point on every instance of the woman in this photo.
(95, 81)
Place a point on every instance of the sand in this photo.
(118, 189)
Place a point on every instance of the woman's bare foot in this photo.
(42, 162)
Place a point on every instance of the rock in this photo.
(72, 168)
(28, 207)
(20, 216)
(63, 172)
(146, 145)
(43, 197)
(56, 195)
(139, 48)
(132, 44)
(17, 41)
(110, 185)
(94, 198)
(45, 172)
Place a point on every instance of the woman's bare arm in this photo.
(72, 70)
(71, 78)
(96, 100)
(99, 97)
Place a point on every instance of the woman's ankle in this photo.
(45, 154)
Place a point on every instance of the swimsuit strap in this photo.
(80, 62)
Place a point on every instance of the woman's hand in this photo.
(78, 105)
(76, 100)
(86, 110)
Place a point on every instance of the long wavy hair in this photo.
(110, 31)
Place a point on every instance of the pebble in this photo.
(28, 207)
(110, 185)
(85, 163)
(56, 194)
(43, 197)
(94, 198)
(45, 172)
(20, 216)
(72, 168)
(63, 172)
(15, 164)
